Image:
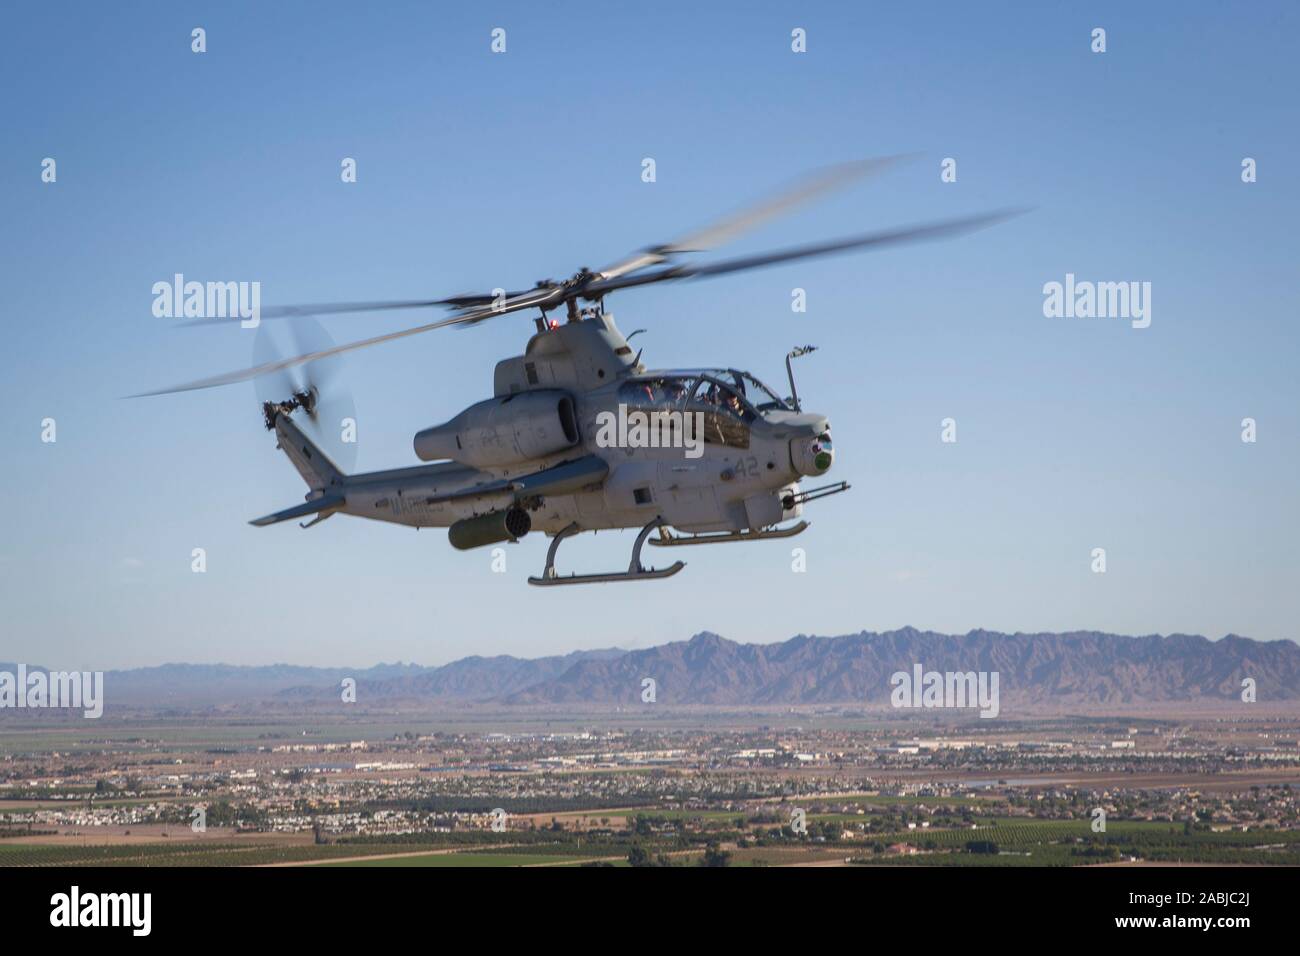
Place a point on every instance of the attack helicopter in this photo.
(580, 434)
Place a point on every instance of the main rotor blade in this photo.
(339, 308)
(334, 308)
(724, 230)
(938, 230)
(551, 296)
(729, 227)
(536, 298)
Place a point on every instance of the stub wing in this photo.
(562, 479)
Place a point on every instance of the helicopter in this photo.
(580, 434)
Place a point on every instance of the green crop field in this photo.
(179, 854)
(876, 800)
(470, 859)
(1072, 843)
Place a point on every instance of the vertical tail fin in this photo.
(312, 463)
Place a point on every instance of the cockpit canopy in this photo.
(741, 393)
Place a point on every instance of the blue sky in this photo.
(479, 170)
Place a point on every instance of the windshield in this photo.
(762, 397)
(720, 397)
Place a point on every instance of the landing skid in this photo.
(634, 572)
(667, 539)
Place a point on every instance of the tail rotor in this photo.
(315, 389)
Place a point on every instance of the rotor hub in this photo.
(305, 399)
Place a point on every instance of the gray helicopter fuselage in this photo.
(710, 461)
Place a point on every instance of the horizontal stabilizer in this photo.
(326, 504)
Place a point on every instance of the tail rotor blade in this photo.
(281, 384)
(329, 418)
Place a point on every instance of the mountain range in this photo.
(1072, 668)
(1078, 668)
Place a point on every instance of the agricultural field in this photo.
(475, 860)
(396, 790)
(1072, 843)
(178, 854)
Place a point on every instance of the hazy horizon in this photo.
(596, 648)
